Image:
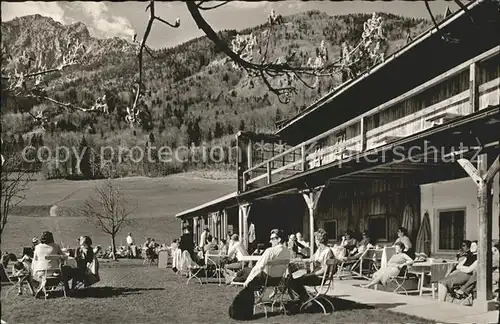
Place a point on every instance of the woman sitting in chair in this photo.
(461, 275)
(319, 258)
(84, 255)
(41, 264)
(393, 268)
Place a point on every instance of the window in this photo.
(330, 227)
(451, 229)
(377, 227)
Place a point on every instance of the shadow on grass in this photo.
(107, 292)
(293, 307)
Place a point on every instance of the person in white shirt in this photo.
(234, 254)
(251, 238)
(277, 251)
(203, 238)
(256, 275)
(319, 258)
(130, 242)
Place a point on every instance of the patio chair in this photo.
(279, 285)
(400, 280)
(463, 299)
(214, 261)
(348, 266)
(320, 291)
(52, 277)
(14, 281)
(191, 269)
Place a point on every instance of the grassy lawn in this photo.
(132, 293)
(157, 199)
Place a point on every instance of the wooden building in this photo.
(418, 133)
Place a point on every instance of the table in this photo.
(423, 268)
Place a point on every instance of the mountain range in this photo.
(193, 92)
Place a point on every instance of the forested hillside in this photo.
(194, 95)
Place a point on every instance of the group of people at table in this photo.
(253, 277)
(459, 282)
(32, 267)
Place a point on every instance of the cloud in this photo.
(11, 10)
(103, 23)
(248, 4)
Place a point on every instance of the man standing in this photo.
(251, 238)
(130, 242)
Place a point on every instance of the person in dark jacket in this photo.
(187, 242)
(84, 255)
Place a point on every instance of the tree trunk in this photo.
(113, 246)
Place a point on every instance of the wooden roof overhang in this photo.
(393, 160)
(419, 61)
(215, 205)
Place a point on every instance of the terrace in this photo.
(465, 89)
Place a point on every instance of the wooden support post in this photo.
(195, 230)
(312, 198)
(240, 224)
(268, 170)
(224, 224)
(363, 134)
(473, 88)
(303, 157)
(483, 177)
(249, 158)
(244, 211)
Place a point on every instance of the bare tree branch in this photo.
(199, 5)
(14, 182)
(134, 112)
(108, 211)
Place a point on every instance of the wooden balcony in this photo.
(478, 96)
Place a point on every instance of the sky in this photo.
(124, 19)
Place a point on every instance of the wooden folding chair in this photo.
(52, 277)
(279, 289)
(321, 291)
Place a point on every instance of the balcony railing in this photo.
(274, 169)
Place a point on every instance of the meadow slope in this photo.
(157, 201)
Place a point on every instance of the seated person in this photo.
(319, 258)
(236, 251)
(256, 276)
(461, 275)
(294, 245)
(348, 242)
(403, 238)
(211, 246)
(40, 264)
(464, 250)
(467, 288)
(393, 268)
(223, 247)
(304, 246)
(365, 240)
